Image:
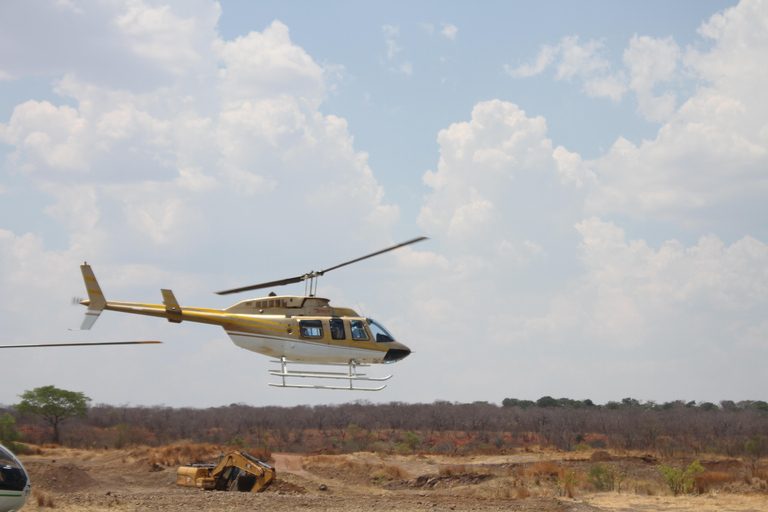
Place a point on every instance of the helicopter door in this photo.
(314, 335)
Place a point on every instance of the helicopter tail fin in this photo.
(172, 307)
(96, 302)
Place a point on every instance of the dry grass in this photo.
(361, 470)
(521, 493)
(453, 470)
(321, 459)
(545, 469)
(43, 499)
(397, 471)
(262, 454)
(180, 454)
(390, 472)
(710, 478)
(354, 467)
(760, 473)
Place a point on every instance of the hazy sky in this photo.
(593, 178)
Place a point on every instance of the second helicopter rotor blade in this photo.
(81, 344)
(417, 239)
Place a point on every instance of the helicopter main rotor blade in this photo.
(81, 344)
(279, 282)
(409, 242)
(309, 275)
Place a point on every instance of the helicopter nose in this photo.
(396, 354)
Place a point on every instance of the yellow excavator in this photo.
(236, 471)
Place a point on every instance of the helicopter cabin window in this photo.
(311, 328)
(358, 330)
(337, 329)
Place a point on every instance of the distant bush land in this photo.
(669, 429)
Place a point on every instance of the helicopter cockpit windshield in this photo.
(12, 475)
(379, 332)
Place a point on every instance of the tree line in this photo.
(669, 429)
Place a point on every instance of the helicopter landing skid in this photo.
(351, 375)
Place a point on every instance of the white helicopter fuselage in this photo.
(306, 350)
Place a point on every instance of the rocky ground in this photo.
(117, 480)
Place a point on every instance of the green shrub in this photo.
(756, 447)
(601, 477)
(680, 481)
(412, 439)
(238, 441)
(9, 435)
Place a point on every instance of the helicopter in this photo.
(293, 329)
(15, 486)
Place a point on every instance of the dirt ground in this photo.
(124, 480)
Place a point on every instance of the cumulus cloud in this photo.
(651, 61)
(266, 65)
(634, 295)
(574, 59)
(46, 135)
(668, 306)
(707, 162)
(449, 31)
(581, 59)
(648, 61)
(158, 162)
(490, 171)
(156, 33)
(122, 45)
(545, 57)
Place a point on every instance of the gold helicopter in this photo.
(293, 329)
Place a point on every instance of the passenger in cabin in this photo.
(337, 329)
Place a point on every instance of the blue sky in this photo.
(592, 178)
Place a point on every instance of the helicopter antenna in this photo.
(312, 275)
